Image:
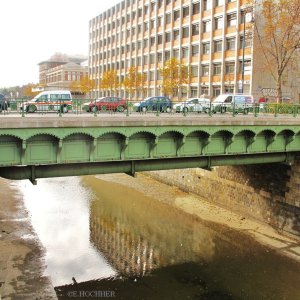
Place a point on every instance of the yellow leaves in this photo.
(109, 80)
(175, 75)
(133, 81)
(279, 35)
(27, 90)
(84, 85)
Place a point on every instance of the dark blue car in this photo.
(4, 104)
(156, 103)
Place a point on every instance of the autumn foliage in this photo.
(278, 30)
(175, 75)
(134, 81)
(84, 85)
(110, 81)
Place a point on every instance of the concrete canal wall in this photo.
(269, 193)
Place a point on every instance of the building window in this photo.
(207, 26)
(167, 55)
(185, 32)
(205, 70)
(176, 15)
(176, 34)
(176, 53)
(159, 57)
(185, 52)
(168, 37)
(152, 24)
(230, 67)
(229, 89)
(151, 75)
(220, 2)
(230, 44)
(218, 46)
(195, 50)
(216, 91)
(159, 21)
(231, 20)
(206, 48)
(248, 42)
(217, 69)
(159, 39)
(219, 23)
(204, 90)
(168, 19)
(152, 41)
(207, 4)
(194, 91)
(196, 8)
(152, 58)
(195, 29)
(185, 11)
(194, 71)
(247, 66)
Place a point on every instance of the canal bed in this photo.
(141, 239)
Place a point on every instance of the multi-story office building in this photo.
(207, 35)
(60, 70)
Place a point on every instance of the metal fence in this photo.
(25, 108)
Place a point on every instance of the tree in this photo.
(84, 85)
(110, 81)
(174, 75)
(134, 81)
(278, 31)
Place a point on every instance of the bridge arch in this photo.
(243, 141)
(195, 143)
(141, 144)
(111, 145)
(11, 149)
(220, 142)
(169, 143)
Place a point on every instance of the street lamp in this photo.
(244, 44)
(243, 58)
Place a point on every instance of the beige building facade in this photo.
(207, 35)
(61, 70)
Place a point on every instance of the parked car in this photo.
(225, 102)
(156, 103)
(108, 103)
(4, 104)
(49, 101)
(192, 104)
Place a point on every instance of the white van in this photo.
(229, 101)
(48, 101)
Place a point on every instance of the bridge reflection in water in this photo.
(163, 253)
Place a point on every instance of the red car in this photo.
(108, 103)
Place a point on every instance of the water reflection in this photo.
(137, 234)
(112, 237)
(59, 210)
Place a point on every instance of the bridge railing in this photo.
(22, 107)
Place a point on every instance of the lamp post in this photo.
(243, 57)
(248, 9)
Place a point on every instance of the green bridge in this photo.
(49, 146)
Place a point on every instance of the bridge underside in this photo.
(32, 172)
(52, 152)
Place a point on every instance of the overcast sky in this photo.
(33, 30)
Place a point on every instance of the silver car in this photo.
(192, 104)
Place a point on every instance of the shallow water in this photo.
(111, 237)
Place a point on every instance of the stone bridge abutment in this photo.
(269, 193)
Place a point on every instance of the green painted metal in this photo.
(46, 152)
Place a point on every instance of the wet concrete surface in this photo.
(21, 254)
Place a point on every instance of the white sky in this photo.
(31, 31)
